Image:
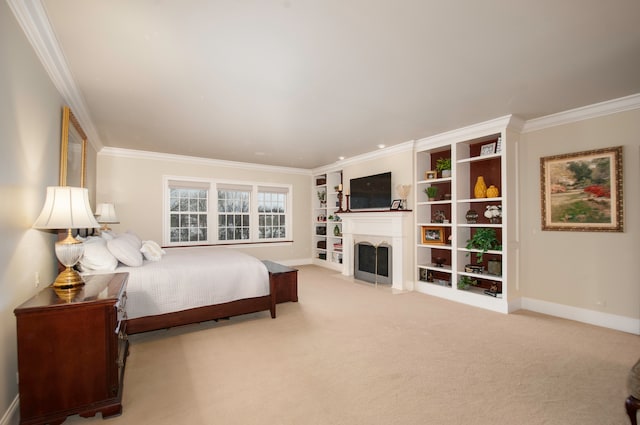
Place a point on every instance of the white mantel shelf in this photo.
(376, 227)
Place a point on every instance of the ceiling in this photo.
(299, 83)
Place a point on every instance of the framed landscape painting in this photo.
(582, 191)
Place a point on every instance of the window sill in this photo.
(234, 244)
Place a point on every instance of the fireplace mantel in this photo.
(376, 227)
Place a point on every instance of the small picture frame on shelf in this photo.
(423, 275)
(432, 235)
(488, 149)
(396, 204)
(430, 175)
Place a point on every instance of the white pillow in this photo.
(126, 250)
(107, 234)
(96, 256)
(135, 238)
(152, 251)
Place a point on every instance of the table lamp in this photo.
(106, 214)
(67, 207)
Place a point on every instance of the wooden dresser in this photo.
(72, 354)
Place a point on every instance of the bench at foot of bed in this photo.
(283, 281)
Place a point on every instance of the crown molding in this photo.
(379, 153)
(596, 110)
(158, 156)
(33, 20)
(473, 131)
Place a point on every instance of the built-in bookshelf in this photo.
(327, 225)
(445, 265)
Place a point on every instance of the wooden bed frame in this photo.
(203, 314)
(198, 314)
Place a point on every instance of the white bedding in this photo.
(185, 278)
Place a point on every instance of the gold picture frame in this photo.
(73, 151)
(432, 235)
(430, 174)
(582, 191)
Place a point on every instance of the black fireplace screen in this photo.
(372, 259)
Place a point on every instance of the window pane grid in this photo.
(271, 215)
(188, 215)
(233, 215)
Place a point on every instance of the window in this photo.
(188, 216)
(199, 212)
(272, 208)
(233, 214)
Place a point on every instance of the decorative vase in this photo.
(472, 216)
(492, 192)
(336, 230)
(446, 173)
(480, 190)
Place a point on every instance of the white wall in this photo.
(133, 182)
(30, 126)
(586, 270)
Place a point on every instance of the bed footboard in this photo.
(203, 314)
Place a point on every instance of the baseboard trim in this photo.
(592, 317)
(10, 417)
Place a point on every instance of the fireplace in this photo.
(380, 228)
(373, 263)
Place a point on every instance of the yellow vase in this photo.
(492, 192)
(480, 190)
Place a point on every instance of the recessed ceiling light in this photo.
(380, 146)
(341, 158)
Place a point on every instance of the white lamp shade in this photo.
(106, 213)
(66, 207)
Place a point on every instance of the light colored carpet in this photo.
(352, 353)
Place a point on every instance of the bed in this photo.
(178, 286)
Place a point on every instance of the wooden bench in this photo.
(285, 281)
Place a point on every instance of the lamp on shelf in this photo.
(106, 214)
(67, 208)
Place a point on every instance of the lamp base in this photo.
(68, 294)
(67, 279)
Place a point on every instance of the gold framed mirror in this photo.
(73, 151)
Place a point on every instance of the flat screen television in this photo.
(371, 192)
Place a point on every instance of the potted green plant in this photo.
(431, 192)
(483, 239)
(443, 166)
(465, 281)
